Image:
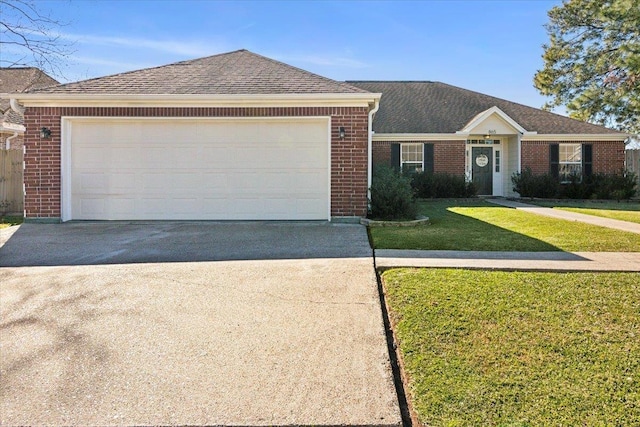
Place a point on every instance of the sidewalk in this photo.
(569, 216)
(521, 261)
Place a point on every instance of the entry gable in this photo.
(493, 121)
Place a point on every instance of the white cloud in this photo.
(120, 65)
(185, 48)
(323, 60)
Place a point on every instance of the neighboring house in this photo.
(240, 136)
(15, 80)
(441, 128)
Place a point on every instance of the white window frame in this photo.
(564, 176)
(419, 152)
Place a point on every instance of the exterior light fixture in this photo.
(341, 132)
(45, 132)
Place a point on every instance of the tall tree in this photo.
(29, 36)
(592, 61)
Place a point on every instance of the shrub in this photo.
(441, 185)
(597, 186)
(613, 186)
(391, 195)
(527, 184)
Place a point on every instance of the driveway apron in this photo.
(192, 324)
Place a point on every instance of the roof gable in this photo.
(235, 73)
(492, 120)
(433, 107)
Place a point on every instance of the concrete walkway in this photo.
(569, 216)
(521, 261)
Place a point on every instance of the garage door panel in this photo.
(199, 169)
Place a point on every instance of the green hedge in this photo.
(601, 186)
(441, 186)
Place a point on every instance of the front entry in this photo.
(482, 169)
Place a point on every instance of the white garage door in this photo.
(147, 169)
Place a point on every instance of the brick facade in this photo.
(535, 155)
(348, 156)
(448, 156)
(608, 156)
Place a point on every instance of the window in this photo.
(569, 161)
(411, 157)
(497, 161)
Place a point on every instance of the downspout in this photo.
(15, 106)
(375, 108)
(8, 140)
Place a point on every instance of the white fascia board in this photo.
(575, 137)
(197, 100)
(479, 118)
(419, 137)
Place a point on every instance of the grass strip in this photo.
(518, 349)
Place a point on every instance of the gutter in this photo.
(15, 106)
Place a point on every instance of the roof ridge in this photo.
(195, 61)
(526, 106)
(342, 83)
(390, 81)
(80, 82)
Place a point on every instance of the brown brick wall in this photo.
(535, 155)
(608, 156)
(348, 156)
(448, 155)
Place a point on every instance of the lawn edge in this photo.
(409, 416)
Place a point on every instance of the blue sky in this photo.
(493, 47)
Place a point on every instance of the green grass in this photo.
(480, 225)
(625, 211)
(8, 221)
(483, 348)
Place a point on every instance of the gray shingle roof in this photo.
(19, 79)
(433, 107)
(238, 72)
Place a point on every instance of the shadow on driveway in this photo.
(94, 243)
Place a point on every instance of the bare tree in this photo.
(29, 37)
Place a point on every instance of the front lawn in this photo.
(483, 226)
(486, 348)
(626, 211)
(8, 221)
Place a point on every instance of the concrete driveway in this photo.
(192, 324)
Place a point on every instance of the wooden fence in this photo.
(11, 179)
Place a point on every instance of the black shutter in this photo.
(554, 160)
(395, 156)
(587, 159)
(428, 158)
